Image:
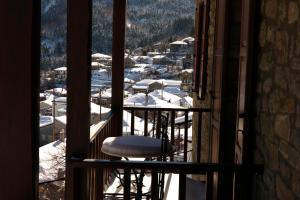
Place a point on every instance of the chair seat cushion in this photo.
(133, 146)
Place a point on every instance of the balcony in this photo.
(178, 169)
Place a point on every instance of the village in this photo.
(160, 78)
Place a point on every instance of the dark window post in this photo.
(78, 85)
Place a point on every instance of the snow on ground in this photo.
(166, 96)
(51, 160)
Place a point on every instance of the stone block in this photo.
(274, 103)
(293, 12)
(288, 105)
(267, 125)
(266, 61)
(282, 8)
(280, 78)
(284, 169)
(267, 85)
(271, 9)
(270, 34)
(282, 190)
(295, 63)
(296, 183)
(296, 139)
(283, 127)
(290, 154)
(273, 162)
(297, 122)
(294, 84)
(262, 34)
(281, 47)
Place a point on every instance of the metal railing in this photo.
(153, 115)
(209, 170)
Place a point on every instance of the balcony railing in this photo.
(99, 166)
(209, 170)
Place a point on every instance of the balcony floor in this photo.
(194, 189)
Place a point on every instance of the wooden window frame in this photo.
(201, 48)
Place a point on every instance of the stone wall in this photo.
(278, 101)
(207, 101)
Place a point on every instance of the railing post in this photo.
(154, 186)
(182, 185)
(146, 122)
(186, 126)
(199, 136)
(126, 184)
(132, 122)
(172, 130)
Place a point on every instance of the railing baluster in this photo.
(146, 122)
(154, 186)
(158, 124)
(209, 185)
(154, 122)
(182, 185)
(132, 122)
(172, 130)
(199, 136)
(186, 124)
(127, 184)
(99, 184)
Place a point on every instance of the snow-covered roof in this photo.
(139, 99)
(45, 120)
(101, 56)
(127, 80)
(166, 96)
(140, 87)
(142, 65)
(187, 70)
(165, 82)
(188, 39)
(96, 64)
(51, 160)
(189, 100)
(95, 109)
(57, 90)
(178, 43)
(62, 119)
(175, 90)
(159, 57)
(61, 69)
(138, 70)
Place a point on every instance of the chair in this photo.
(142, 147)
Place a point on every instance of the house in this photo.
(46, 130)
(129, 61)
(246, 99)
(101, 58)
(139, 51)
(160, 60)
(178, 46)
(60, 74)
